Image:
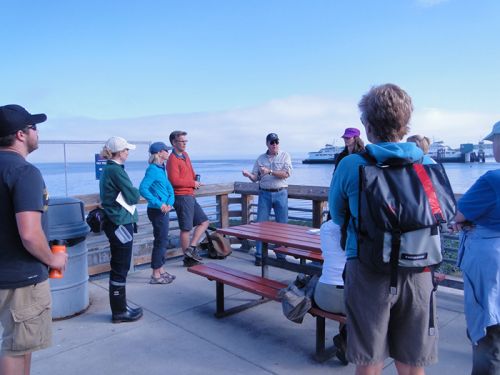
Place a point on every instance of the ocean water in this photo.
(79, 178)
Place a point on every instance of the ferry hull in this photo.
(318, 161)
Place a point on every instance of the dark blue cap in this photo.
(13, 118)
(272, 137)
(157, 147)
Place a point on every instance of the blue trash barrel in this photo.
(66, 221)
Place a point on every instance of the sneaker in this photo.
(258, 262)
(189, 262)
(192, 252)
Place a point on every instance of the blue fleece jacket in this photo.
(345, 183)
(156, 188)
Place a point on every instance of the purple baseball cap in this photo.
(351, 132)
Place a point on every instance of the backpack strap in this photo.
(432, 326)
(430, 192)
(394, 260)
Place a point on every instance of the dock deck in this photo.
(179, 334)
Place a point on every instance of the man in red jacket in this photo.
(189, 212)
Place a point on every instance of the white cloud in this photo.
(304, 123)
(453, 127)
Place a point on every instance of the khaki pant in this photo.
(25, 316)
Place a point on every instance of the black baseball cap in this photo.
(13, 118)
(272, 137)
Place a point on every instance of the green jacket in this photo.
(114, 180)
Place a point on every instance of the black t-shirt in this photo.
(21, 189)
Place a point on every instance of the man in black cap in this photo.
(25, 253)
(271, 170)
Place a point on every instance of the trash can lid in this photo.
(66, 219)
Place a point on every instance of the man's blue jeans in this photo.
(272, 200)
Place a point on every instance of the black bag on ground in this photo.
(95, 220)
(402, 206)
(296, 298)
(216, 245)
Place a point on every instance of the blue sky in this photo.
(231, 71)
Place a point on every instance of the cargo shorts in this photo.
(26, 319)
(381, 325)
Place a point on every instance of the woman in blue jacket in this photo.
(158, 191)
(479, 259)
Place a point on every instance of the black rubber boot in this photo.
(121, 312)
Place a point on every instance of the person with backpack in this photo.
(478, 217)
(158, 191)
(381, 324)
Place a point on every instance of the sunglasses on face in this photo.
(276, 142)
(32, 127)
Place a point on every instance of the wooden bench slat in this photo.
(235, 281)
(298, 253)
(244, 275)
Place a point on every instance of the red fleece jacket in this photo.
(181, 174)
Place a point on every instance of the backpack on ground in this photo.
(402, 206)
(217, 246)
(296, 298)
(95, 220)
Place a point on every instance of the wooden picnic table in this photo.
(285, 235)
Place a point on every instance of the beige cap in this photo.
(117, 144)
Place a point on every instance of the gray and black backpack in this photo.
(402, 207)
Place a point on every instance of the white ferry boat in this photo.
(443, 153)
(468, 152)
(326, 155)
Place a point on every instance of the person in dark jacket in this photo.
(158, 191)
(353, 145)
(118, 199)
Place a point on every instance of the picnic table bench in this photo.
(267, 289)
(293, 240)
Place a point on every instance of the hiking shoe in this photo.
(160, 280)
(189, 262)
(192, 252)
(167, 275)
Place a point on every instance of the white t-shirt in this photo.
(334, 257)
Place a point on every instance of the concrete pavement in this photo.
(179, 334)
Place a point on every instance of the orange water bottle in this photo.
(57, 246)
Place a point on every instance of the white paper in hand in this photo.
(129, 207)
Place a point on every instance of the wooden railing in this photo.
(228, 204)
(224, 204)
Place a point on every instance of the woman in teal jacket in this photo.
(115, 184)
(158, 191)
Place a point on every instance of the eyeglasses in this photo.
(182, 141)
(276, 142)
(32, 127)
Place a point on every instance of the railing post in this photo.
(317, 213)
(246, 201)
(223, 205)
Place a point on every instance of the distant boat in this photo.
(468, 152)
(326, 155)
(442, 153)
